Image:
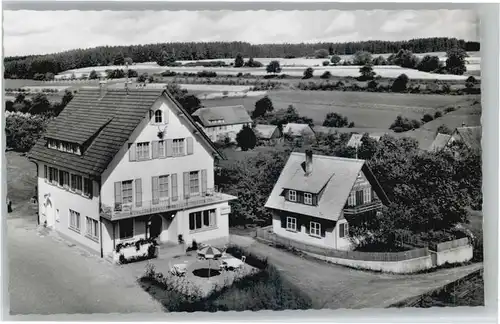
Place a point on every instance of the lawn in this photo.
(365, 109)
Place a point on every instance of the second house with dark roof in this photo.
(317, 197)
(221, 122)
(118, 166)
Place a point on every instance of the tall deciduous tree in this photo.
(238, 61)
(246, 138)
(455, 62)
(273, 67)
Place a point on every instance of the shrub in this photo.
(326, 75)
(335, 120)
(308, 73)
(400, 83)
(326, 63)
(449, 109)
(427, 118)
(437, 114)
(443, 129)
(403, 124)
(372, 85)
(206, 74)
(168, 73)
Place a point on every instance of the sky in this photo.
(42, 32)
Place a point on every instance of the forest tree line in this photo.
(25, 67)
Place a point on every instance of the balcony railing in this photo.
(161, 205)
(351, 210)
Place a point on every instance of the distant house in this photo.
(294, 130)
(355, 140)
(439, 142)
(317, 197)
(268, 134)
(470, 136)
(221, 122)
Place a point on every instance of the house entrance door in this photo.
(155, 226)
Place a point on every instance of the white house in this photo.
(119, 165)
(294, 130)
(355, 140)
(221, 122)
(317, 197)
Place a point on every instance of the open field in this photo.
(365, 109)
(474, 58)
(294, 67)
(388, 71)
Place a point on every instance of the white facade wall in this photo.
(216, 133)
(54, 208)
(121, 169)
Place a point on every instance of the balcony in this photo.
(353, 210)
(123, 211)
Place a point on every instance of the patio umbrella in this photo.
(209, 252)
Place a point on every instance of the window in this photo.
(194, 182)
(367, 197)
(163, 184)
(343, 230)
(76, 183)
(126, 228)
(351, 201)
(308, 198)
(64, 179)
(161, 148)
(92, 229)
(315, 229)
(127, 192)
(87, 187)
(74, 220)
(143, 151)
(202, 220)
(359, 197)
(158, 117)
(292, 195)
(53, 175)
(178, 147)
(291, 223)
(53, 144)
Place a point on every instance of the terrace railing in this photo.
(352, 210)
(160, 205)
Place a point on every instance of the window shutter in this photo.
(307, 225)
(165, 116)
(175, 192)
(283, 221)
(189, 145)
(186, 184)
(300, 197)
(323, 229)
(118, 192)
(204, 181)
(132, 152)
(138, 192)
(315, 199)
(155, 149)
(168, 147)
(155, 190)
(45, 173)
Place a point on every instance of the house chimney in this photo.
(309, 162)
(102, 87)
(463, 124)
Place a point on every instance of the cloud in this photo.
(38, 32)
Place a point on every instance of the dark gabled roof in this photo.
(439, 142)
(229, 115)
(470, 136)
(110, 119)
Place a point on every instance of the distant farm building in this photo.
(221, 122)
(439, 142)
(268, 134)
(355, 140)
(470, 136)
(293, 131)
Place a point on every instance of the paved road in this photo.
(50, 277)
(334, 286)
